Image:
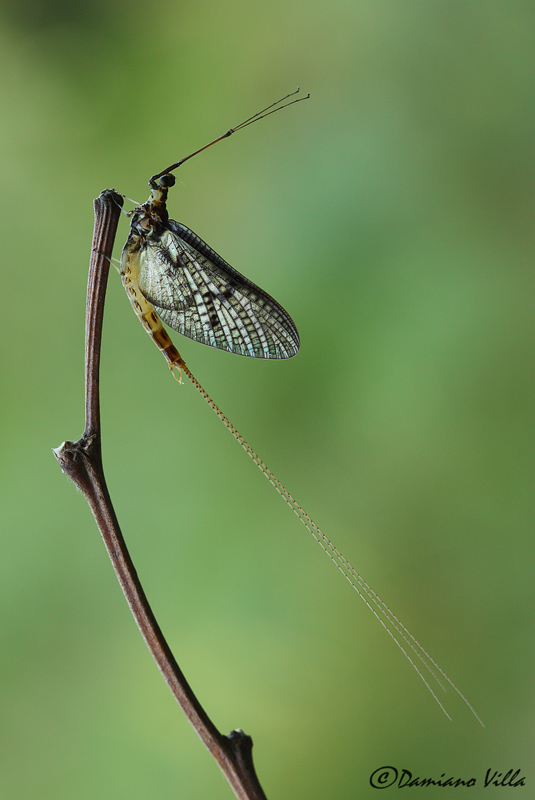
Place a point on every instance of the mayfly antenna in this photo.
(259, 115)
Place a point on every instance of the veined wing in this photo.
(201, 296)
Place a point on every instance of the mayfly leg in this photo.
(255, 118)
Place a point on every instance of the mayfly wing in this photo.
(198, 294)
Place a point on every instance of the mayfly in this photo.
(171, 274)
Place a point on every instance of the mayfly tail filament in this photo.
(406, 642)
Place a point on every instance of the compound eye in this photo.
(166, 181)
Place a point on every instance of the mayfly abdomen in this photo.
(145, 310)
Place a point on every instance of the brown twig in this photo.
(82, 462)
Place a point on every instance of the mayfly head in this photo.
(160, 185)
(159, 188)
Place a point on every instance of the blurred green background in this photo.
(392, 215)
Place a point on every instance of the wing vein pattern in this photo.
(201, 296)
